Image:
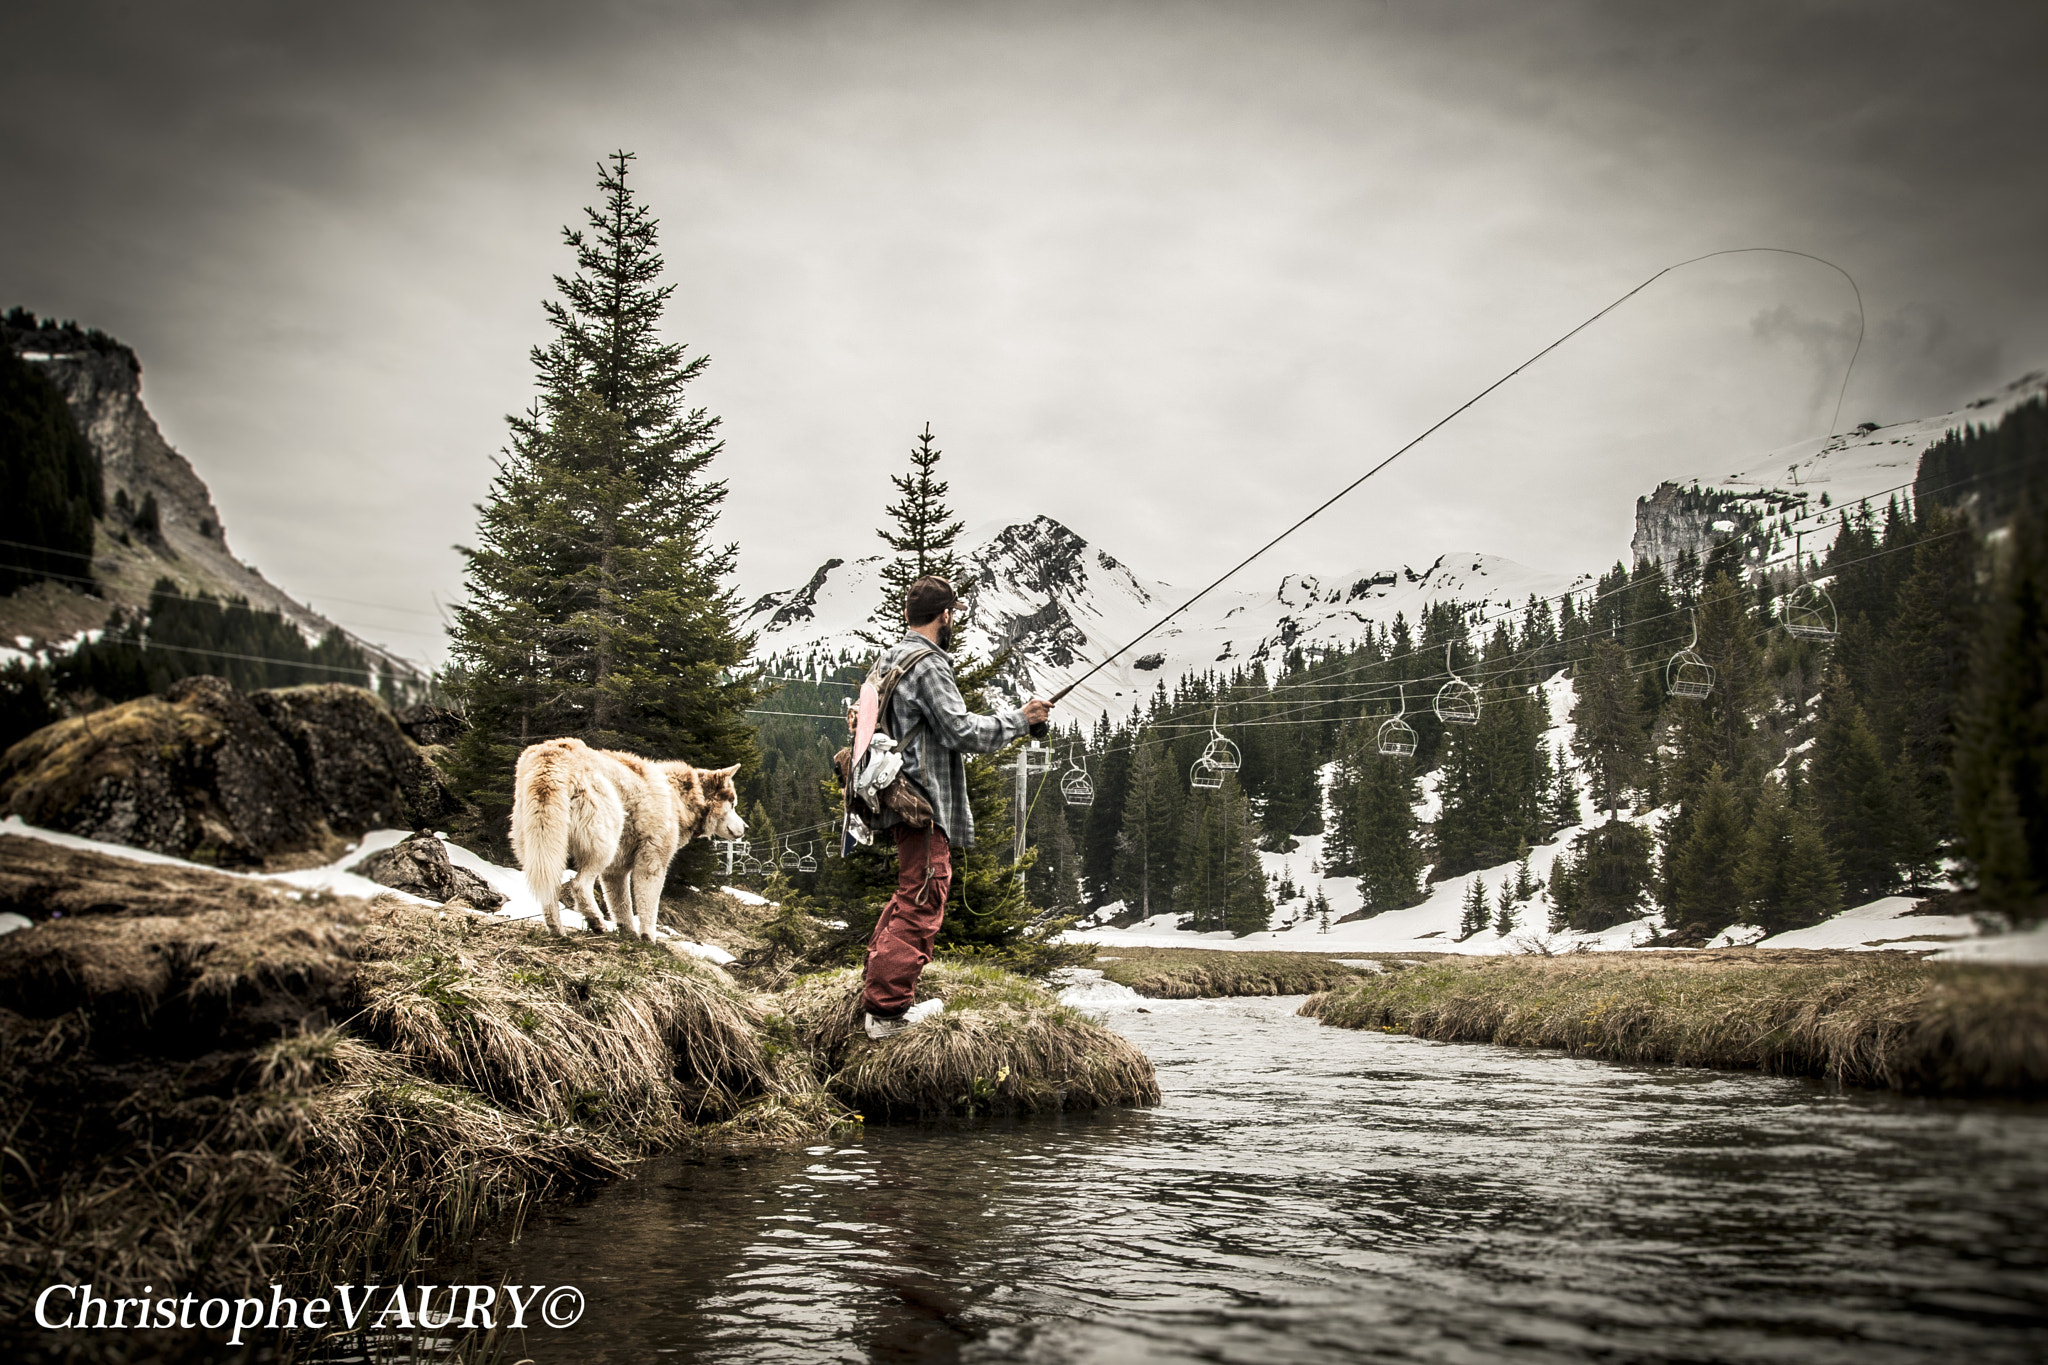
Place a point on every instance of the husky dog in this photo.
(616, 816)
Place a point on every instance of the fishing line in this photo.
(1445, 420)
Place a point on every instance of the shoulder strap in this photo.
(886, 692)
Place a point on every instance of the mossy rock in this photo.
(209, 774)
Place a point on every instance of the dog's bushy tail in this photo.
(540, 820)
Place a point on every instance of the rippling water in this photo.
(1317, 1194)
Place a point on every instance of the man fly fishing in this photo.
(920, 705)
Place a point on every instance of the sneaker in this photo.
(879, 1026)
(882, 1026)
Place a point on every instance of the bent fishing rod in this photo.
(1041, 728)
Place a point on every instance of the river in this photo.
(1319, 1194)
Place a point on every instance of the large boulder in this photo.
(419, 866)
(206, 773)
(357, 761)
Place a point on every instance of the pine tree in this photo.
(1610, 735)
(1525, 882)
(1867, 821)
(1054, 881)
(2001, 768)
(922, 538)
(597, 603)
(1148, 842)
(1565, 900)
(1108, 757)
(1494, 778)
(1605, 880)
(1474, 919)
(1705, 872)
(1504, 917)
(1788, 880)
(1372, 834)
(1720, 729)
(1564, 811)
(1247, 907)
(1925, 660)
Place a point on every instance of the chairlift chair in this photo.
(1221, 754)
(1036, 758)
(809, 862)
(1809, 611)
(1397, 736)
(1688, 675)
(1457, 701)
(1205, 776)
(789, 859)
(1075, 788)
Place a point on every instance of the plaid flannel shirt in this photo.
(928, 698)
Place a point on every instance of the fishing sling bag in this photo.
(873, 780)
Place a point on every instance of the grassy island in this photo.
(1880, 1019)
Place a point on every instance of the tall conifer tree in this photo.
(2001, 770)
(921, 538)
(598, 605)
(1610, 735)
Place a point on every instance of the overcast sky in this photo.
(1170, 273)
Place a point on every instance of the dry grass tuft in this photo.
(789, 1118)
(1201, 973)
(1003, 1045)
(567, 1030)
(1875, 1019)
(394, 1166)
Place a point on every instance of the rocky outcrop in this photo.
(208, 774)
(419, 866)
(1675, 520)
(101, 381)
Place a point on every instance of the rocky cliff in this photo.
(101, 381)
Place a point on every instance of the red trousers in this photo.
(909, 924)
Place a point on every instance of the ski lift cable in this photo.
(1820, 516)
(1454, 413)
(1333, 680)
(1635, 670)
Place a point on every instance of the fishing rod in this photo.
(1041, 728)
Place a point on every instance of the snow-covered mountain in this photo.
(1871, 462)
(1061, 604)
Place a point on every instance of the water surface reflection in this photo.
(1311, 1194)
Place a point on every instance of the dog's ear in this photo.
(725, 772)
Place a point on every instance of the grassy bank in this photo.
(1874, 1019)
(1003, 1045)
(215, 1082)
(1197, 973)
